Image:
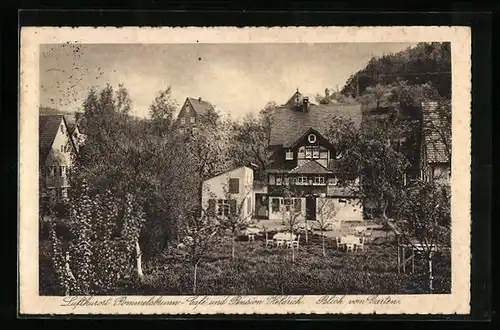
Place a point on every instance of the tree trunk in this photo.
(138, 256)
(232, 246)
(430, 275)
(323, 245)
(307, 239)
(194, 276)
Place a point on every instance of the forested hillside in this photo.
(425, 63)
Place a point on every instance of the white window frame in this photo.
(192, 120)
(302, 180)
(308, 153)
(289, 155)
(183, 121)
(315, 153)
(223, 208)
(279, 180)
(319, 181)
(311, 138)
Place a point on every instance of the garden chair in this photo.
(339, 242)
(349, 247)
(361, 244)
(269, 242)
(296, 242)
(251, 237)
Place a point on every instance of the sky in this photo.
(237, 78)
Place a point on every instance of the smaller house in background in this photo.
(75, 131)
(226, 192)
(55, 153)
(192, 111)
(436, 142)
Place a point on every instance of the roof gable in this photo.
(311, 167)
(301, 136)
(200, 106)
(48, 126)
(436, 134)
(289, 125)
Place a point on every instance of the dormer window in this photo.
(289, 155)
(311, 138)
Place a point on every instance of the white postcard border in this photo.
(457, 302)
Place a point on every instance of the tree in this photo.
(376, 95)
(162, 110)
(104, 236)
(425, 218)
(201, 234)
(371, 163)
(291, 213)
(325, 213)
(252, 138)
(237, 220)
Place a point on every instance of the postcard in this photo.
(224, 170)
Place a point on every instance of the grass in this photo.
(256, 270)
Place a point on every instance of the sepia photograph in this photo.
(240, 169)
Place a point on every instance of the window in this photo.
(289, 155)
(315, 153)
(301, 154)
(187, 109)
(62, 171)
(182, 130)
(287, 204)
(298, 205)
(319, 180)
(192, 120)
(302, 180)
(52, 171)
(223, 207)
(62, 129)
(62, 148)
(275, 205)
(279, 180)
(183, 121)
(311, 138)
(234, 186)
(286, 180)
(308, 153)
(293, 180)
(272, 180)
(194, 130)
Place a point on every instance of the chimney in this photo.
(199, 99)
(306, 104)
(327, 93)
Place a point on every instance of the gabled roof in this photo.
(436, 133)
(311, 167)
(289, 124)
(200, 106)
(301, 135)
(249, 167)
(47, 130)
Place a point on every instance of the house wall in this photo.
(217, 188)
(351, 210)
(59, 155)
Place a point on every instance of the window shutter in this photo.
(234, 186)
(232, 206)
(211, 207)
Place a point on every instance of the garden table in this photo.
(284, 237)
(350, 239)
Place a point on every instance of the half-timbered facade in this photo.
(303, 162)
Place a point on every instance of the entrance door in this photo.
(261, 206)
(311, 208)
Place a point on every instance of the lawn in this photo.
(256, 270)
